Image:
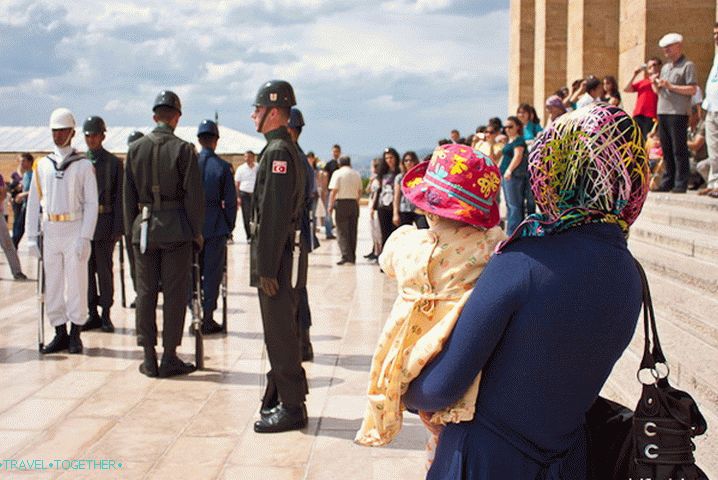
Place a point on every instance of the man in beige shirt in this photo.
(346, 190)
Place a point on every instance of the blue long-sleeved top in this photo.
(220, 195)
(547, 320)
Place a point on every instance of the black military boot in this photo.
(283, 418)
(172, 365)
(149, 365)
(75, 345)
(307, 349)
(209, 326)
(107, 325)
(60, 342)
(93, 320)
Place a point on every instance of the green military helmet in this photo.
(93, 125)
(167, 98)
(296, 119)
(134, 136)
(275, 93)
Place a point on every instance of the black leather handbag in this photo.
(654, 441)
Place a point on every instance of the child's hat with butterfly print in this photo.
(458, 183)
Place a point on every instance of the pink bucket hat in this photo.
(458, 183)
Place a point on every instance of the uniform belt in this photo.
(104, 209)
(165, 205)
(63, 217)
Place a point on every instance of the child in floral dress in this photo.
(435, 271)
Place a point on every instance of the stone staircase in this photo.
(676, 241)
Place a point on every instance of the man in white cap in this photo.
(676, 85)
(62, 207)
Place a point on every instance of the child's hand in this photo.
(426, 420)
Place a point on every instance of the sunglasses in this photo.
(510, 126)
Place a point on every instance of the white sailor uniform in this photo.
(63, 207)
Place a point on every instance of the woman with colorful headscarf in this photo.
(551, 313)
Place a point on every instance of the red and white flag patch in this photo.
(279, 166)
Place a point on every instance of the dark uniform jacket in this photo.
(277, 202)
(220, 195)
(305, 221)
(108, 170)
(181, 214)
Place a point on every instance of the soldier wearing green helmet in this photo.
(109, 227)
(164, 210)
(277, 204)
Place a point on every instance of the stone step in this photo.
(693, 244)
(623, 387)
(690, 309)
(690, 200)
(687, 270)
(681, 217)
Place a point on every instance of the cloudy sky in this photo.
(367, 74)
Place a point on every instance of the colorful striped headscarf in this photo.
(589, 166)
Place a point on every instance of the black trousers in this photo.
(386, 223)
(171, 264)
(347, 218)
(673, 130)
(18, 223)
(246, 211)
(99, 269)
(645, 124)
(304, 314)
(286, 379)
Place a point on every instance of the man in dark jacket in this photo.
(109, 228)
(220, 216)
(277, 205)
(304, 313)
(164, 209)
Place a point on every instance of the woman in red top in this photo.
(644, 112)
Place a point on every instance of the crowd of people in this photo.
(477, 306)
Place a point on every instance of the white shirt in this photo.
(72, 191)
(347, 183)
(246, 177)
(710, 104)
(585, 99)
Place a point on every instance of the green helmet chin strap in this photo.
(264, 118)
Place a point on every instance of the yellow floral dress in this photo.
(435, 271)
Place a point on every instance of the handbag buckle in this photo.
(650, 448)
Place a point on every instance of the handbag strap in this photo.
(654, 355)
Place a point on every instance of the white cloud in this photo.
(388, 103)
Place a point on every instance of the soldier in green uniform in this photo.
(128, 234)
(164, 210)
(109, 228)
(277, 205)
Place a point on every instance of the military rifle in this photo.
(197, 312)
(41, 298)
(122, 273)
(223, 291)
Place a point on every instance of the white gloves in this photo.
(83, 249)
(34, 247)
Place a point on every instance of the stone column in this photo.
(592, 39)
(521, 53)
(549, 49)
(644, 22)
